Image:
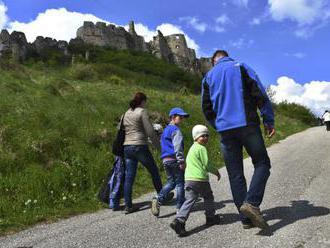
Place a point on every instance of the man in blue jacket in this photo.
(231, 95)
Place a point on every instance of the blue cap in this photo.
(178, 111)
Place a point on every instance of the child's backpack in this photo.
(112, 188)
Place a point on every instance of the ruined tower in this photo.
(131, 28)
(183, 56)
(160, 48)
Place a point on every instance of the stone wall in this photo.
(101, 34)
(14, 45)
(42, 45)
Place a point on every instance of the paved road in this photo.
(296, 205)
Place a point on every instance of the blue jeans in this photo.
(232, 143)
(134, 154)
(175, 179)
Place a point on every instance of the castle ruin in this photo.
(171, 48)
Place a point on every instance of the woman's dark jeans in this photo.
(134, 154)
(232, 143)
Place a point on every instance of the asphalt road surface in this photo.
(296, 206)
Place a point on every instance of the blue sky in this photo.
(280, 39)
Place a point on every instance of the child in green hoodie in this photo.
(197, 182)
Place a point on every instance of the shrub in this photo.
(83, 72)
(296, 111)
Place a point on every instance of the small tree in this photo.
(271, 94)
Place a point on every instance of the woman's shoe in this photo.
(129, 210)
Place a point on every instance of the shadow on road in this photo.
(199, 206)
(287, 215)
(225, 218)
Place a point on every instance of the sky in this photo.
(287, 42)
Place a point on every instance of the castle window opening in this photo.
(177, 37)
(177, 47)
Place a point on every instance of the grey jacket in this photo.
(138, 128)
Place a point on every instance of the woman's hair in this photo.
(137, 100)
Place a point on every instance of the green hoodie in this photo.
(198, 164)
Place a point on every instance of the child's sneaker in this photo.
(215, 220)
(155, 206)
(179, 227)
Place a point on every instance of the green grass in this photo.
(57, 124)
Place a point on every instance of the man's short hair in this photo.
(217, 53)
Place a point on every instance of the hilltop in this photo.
(58, 120)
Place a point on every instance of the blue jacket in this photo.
(172, 143)
(231, 94)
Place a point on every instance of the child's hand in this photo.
(182, 166)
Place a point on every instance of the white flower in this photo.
(35, 201)
(64, 198)
(24, 211)
(74, 185)
(27, 202)
(51, 192)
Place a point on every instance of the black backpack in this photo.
(118, 143)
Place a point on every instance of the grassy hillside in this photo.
(57, 123)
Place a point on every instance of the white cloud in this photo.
(298, 55)
(241, 43)
(60, 24)
(223, 19)
(241, 3)
(3, 15)
(219, 29)
(195, 23)
(309, 15)
(255, 21)
(315, 95)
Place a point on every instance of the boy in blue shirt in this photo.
(172, 154)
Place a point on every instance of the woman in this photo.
(326, 119)
(138, 129)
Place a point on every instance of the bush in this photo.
(296, 111)
(83, 72)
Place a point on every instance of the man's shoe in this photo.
(248, 224)
(179, 227)
(155, 206)
(254, 214)
(169, 198)
(215, 220)
(129, 210)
